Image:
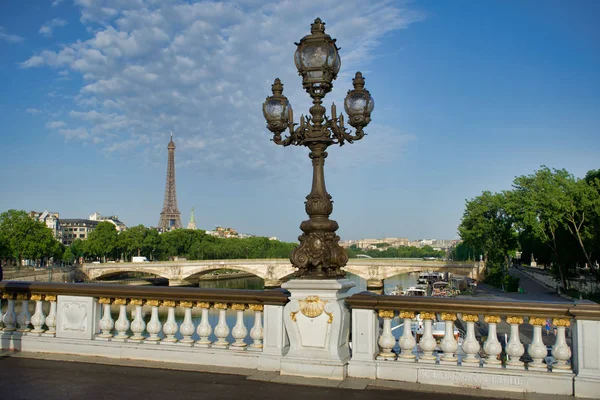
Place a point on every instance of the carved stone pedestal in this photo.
(318, 325)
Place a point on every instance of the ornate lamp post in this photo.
(319, 255)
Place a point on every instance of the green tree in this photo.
(68, 256)
(487, 225)
(131, 241)
(151, 243)
(23, 237)
(78, 249)
(102, 241)
(553, 205)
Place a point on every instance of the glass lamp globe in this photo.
(358, 103)
(276, 108)
(317, 58)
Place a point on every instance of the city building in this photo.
(114, 219)
(223, 232)
(73, 229)
(51, 219)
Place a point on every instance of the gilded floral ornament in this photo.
(152, 303)
(514, 320)
(256, 307)
(427, 315)
(7, 296)
(36, 297)
(203, 304)
(221, 306)
(168, 303)
(185, 304)
(104, 300)
(492, 319)
(135, 302)
(238, 307)
(470, 317)
(448, 317)
(386, 314)
(50, 297)
(561, 322)
(22, 296)
(537, 321)
(407, 314)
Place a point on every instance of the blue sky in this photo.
(468, 95)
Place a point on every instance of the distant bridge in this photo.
(275, 271)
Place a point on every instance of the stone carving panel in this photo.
(76, 317)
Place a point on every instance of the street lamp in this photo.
(319, 255)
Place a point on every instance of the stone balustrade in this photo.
(309, 331)
(235, 328)
(466, 350)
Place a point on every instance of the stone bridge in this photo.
(275, 271)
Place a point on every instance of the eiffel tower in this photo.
(170, 217)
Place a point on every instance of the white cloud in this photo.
(56, 3)
(11, 38)
(203, 70)
(55, 124)
(33, 111)
(78, 133)
(49, 26)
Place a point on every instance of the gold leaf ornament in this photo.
(561, 322)
(470, 317)
(492, 319)
(537, 321)
(312, 306)
(514, 320)
(386, 314)
(448, 317)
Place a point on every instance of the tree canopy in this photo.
(550, 215)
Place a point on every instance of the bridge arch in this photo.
(99, 273)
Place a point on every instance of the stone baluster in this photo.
(449, 343)
(386, 340)
(107, 323)
(407, 341)
(561, 350)
(170, 327)
(221, 330)
(427, 342)
(9, 318)
(38, 319)
(122, 324)
(187, 326)
(51, 318)
(137, 325)
(239, 331)
(514, 348)
(492, 345)
(537, 349)
(470, 345)
(256, 333)
(204, 329)
(154, 326)
(24, 317)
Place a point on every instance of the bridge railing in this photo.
(456, 342)
(233, 328)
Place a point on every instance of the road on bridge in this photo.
(25, 379)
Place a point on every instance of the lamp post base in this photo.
(318, 325)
